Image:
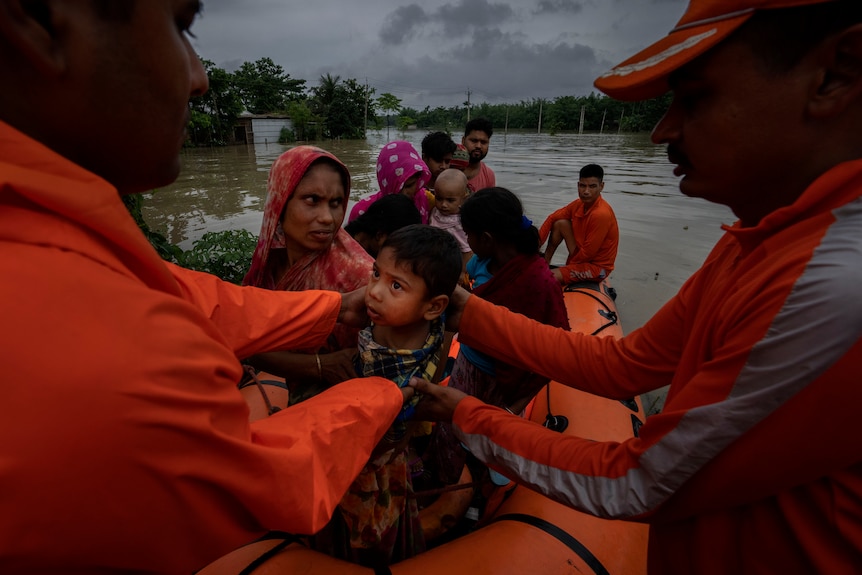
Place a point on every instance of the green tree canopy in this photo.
(214, 114)
(388, 103)
(264, 87)
(346, 118)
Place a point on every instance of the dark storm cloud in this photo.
(456, 19)
(430, 52)
(459, 19)
(401, 24)
(498, 67)
(557, 6)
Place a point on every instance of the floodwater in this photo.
(664, 236)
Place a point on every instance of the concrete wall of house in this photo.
(268, 130)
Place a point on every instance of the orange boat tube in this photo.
(526, 532)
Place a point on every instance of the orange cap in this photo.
(704, 24)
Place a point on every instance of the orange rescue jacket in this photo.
(124, 443)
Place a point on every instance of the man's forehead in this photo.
(591, 181)
(477, 135)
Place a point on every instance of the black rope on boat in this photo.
(250, 378)
(579, 548)
(608, 313)
(561, 422)
(286, 539)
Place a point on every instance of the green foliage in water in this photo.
(286, 136)
(166, 250)
(226, 254)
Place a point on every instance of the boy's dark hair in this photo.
(499, 212)
(432, 254)
(115, 10)
(781, 37)
(479, 124)
(386, 215)
(436, 145)
(592, 171)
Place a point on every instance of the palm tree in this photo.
(388, 103)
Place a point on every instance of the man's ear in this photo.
(839, 82)
(436, 306)
(31, 28)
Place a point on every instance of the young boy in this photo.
(437, 148)
(415, 273)
(450, 193)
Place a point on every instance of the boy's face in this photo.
(436, 167)
(449, 197)
(395, 296)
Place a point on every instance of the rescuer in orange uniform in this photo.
(124, 443)
(754, 464)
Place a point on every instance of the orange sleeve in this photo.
(128, 409)
(254, 320)
(605, 366)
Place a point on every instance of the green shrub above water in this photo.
(226, 254)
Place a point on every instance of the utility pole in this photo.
(602, 128)
(467, 103)
(366, 104)
(620, 127)
(539, 130)
(581, 125)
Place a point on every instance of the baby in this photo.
(450, 192)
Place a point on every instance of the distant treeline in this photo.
(337, 108)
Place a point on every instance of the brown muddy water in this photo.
(664, 236)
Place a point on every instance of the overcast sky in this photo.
(430, 53)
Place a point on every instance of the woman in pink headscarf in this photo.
(400, 170)
(303, 247)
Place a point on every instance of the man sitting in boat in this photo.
(589, 228)
(754, 464)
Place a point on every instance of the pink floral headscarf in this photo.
(343, 267)
(397, 162)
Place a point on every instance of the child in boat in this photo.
(506, 269)
(416, 270)
(450, 193)
(383, 217)
(460, 160)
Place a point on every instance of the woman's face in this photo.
(314, 212)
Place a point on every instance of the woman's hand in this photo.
(456, 308)
(337, 366)
(438, 403)
(353, 311)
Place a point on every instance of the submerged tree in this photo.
(388, 103)
(214, 114)
(264, 87)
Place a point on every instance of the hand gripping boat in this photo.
(526, 532)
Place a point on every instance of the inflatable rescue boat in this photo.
(522, 532)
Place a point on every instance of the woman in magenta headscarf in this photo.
(302, 247)
(400, 170)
